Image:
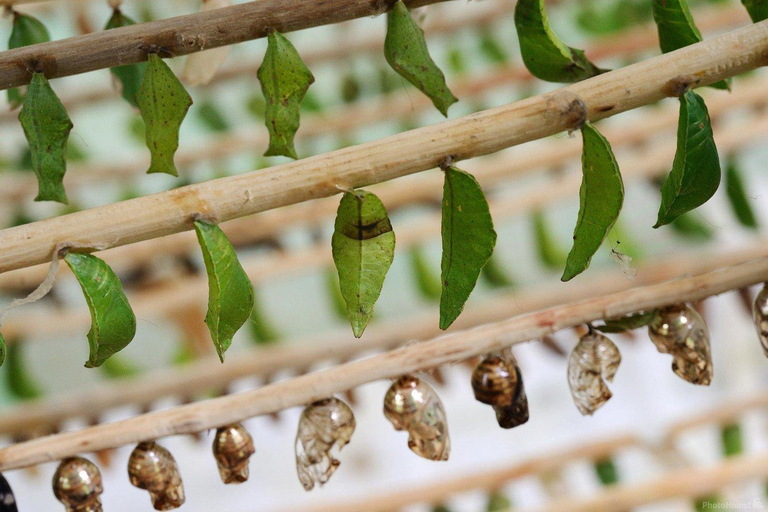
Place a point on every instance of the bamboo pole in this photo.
(683, 483)
(201, 376)
(489, 480)
(180, 35)
(391, 157)
(445, 349)
(725, 413)
(490, 171)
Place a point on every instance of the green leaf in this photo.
(263, 332)
(695, 173)
(606, 471)
(544, 54)
(550, 253)
(26, 31)
(46, 126)
(601, 19)
(730, 435)
(757, 9)
(492, 49)
(457, 63)
(113, 324)
(677, 29)
(212, 118)
(284, 81)
(495, 275)
(18, 379)
(427, 282)
(600, 199)
(737, 196)
(163, 103)
(3, 350)
(692, 225)
(338, 305)
(468, 241)
(363, 246)
(119, 367)
(626, 323)
(230, 293)
(131, 75)
(406, 52)
(498, 502)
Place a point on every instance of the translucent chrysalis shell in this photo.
(680, 331)
(232, 448)
(411, 404)
(77, 484)
(152, 468)
(325, 427)
(760, 314)
(201, 67)
(593, 361)
(497, 381)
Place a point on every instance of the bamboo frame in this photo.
(727, 412)
(391, 157)
(300, 355)
(445, 349)
(180, 35)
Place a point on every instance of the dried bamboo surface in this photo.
(684, 483)
(490, 480)
(204, 375)
(727, 412)
(445, 349)
(181, 295)
(391, 157)
(490, 171)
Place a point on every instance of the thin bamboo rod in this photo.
(683, 483)
(391, 157)
(444, 349)
(181, 295)
(180, 35)
(725, 413)
(630, 42)
(337, 346)
(489, 480)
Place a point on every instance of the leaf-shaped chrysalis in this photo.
(284, 81)
(627, 323)
(163, 103)
(113, 324)
(677, 28)
(26, 31)
(201, 67)
(600, 199)
(230, 293)
(363, 246)
(741, 203)
(757, 9)
(406, 52)
(468, 241)
(46, 126)
(127, 78)
(695, 173)
(544, 54)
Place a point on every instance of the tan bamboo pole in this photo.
(490, 171)
(683, 483)
(391, 157)
(489, 480)
(725, 413)
(179, 296)
(630, 42)
(448, 348)
(180, 35)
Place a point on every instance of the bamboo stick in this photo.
(177, 36)
(723, 414)
(485, 480)
(490, 171)
(683, 483)
(391, 157)
(444, 349)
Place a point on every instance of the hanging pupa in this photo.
(497, 381)
(77, 484)
(232, 448)
(680, 331)
(412, 405)
(593, 361)
(201, 67)
(760, 314)
(325, 427)
(152, 468)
